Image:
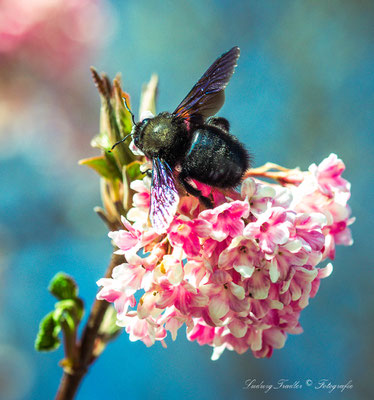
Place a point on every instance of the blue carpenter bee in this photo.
(190, 142)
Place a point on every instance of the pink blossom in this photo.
(272, 338)
(204, 334)
(141, 201)
(148, 305)
(337, 231)
(146, 330)
(114, 293)
(226, 220)
(142, 197)
(183, 296)
(285, 257)
(309, 230)
(132, 239)
(212, 250)
(238, 275)
(174, 320)
(129, 278)
(301, 285)
(195, 272)
(271, 228)
(126, 240)
(263, 308)
(224, 296)
(170, 267)
(242, 254)
(258, 285)
(185, 233)
(328, 175)
(335, 210)
(259, 195)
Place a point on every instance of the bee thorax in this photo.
(164, 137)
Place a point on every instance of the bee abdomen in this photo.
(215, 158)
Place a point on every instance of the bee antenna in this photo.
(128, 109)
(120, 141)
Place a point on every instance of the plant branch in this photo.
(73, 375)
(281, 174)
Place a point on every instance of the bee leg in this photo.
(195, 192)
(148, 172)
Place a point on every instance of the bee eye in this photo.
(145, 120)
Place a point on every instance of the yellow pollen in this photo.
(180, 227)
(162, 268)
(141, 301)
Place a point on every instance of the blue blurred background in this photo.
(304, 88)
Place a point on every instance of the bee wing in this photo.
(208, 95)
(164, 196)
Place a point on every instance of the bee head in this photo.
(138, 131)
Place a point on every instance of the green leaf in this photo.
(124, 119)
(113, 166)
(133, 171)
(66, 316)
(47, 337)
(104, 165)
(110, 128)
(63, 286)
(73, 307)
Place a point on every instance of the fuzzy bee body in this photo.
(187, 140)
(215, 157)
(205, 152)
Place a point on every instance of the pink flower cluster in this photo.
(237, 275)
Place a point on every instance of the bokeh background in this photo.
(304, 88)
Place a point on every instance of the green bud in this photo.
(63, 287)
(109, 328)
(46, 339)
(72, 308)
(115, 120)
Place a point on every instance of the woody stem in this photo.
(73, 376)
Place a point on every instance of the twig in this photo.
(282, 175)
(73, 376)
